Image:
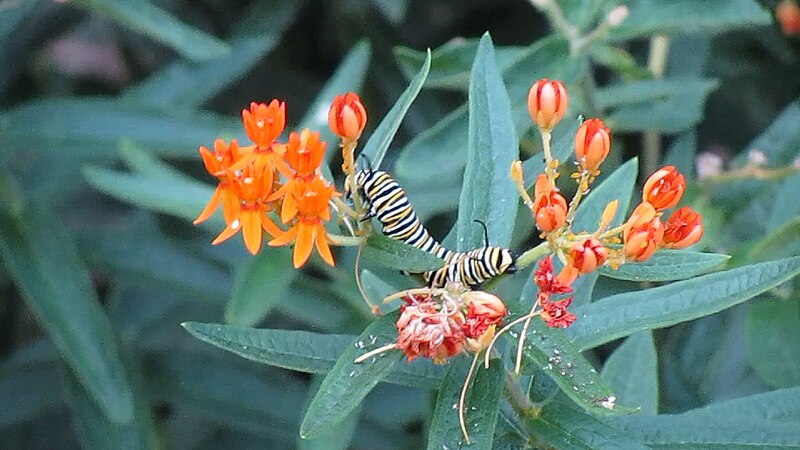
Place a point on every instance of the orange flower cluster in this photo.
(584, 252)
(441, 325)
(644, 233)
(788, 14)
(249, 185)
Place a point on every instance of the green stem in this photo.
(518, 399)
(651, 141)
(528, 258)
(345, 241)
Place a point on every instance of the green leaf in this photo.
(669, 104)
(488, 193)
(481, 407)
(27, 392)
(259, 284)
(617, 186)
(649, 17)
(348, 77)
(780, 404)
(780, 140)
(668, 265)
(551, 351)
(46, 267)
(335, 439)
(687, 432)
(560, 425)
(144, 17)
(633, 373)
(175, 195)
(624, 314)
(451, 62)
(348, 382)
(773, 341)
(397, 255)
(94, 127)
(787, 204)
(778, 240)
(378, 143)
(618, 60)
(304, 351)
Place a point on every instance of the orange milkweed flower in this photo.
(483, 310)
(252, 188)
(664, 188)
(592, 144)
(683, 229)
(264, 123)
(547, 103)
(347, 116)
(588, 255)
(217, 164)
(311, 199)
(304, 154)
(642, 233)
(549, 207)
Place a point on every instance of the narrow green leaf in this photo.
(771, 244)
(618, 60)
(624, 314)
(780, 404)
(46, 267)
(649, 17)
(346, 385)
(688, 432)
(397, 255)
(780, 140)
(94, 127)
(378, 143)
(144, 17)
(617, 186)
(451, 62)
(668, 265)
(551, 351)
(27, 392)
(560, 425)
(259, 284)
(670, 104)
(773, 341)
(481, 407)
(176, 196)
(335, 439)
(632, 372)
(488, 193)
(304, 351)
(348, 77)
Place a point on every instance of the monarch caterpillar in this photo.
(387, 202)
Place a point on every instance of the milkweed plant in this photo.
(512, 263)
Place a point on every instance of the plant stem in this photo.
(527, 258)
(657, 64)
(518, 399)
(345, 241)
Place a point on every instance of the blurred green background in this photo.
(104, 103)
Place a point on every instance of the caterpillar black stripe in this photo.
(387, 201)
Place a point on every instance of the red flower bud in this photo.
(549, 207)
(347, 116)
(547, 103)
(643, 233)
(664, 188)
(592, 144)
(483, 311)
(588, 255)
(788, 15)
(683, 229)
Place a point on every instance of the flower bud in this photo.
(592, 144)
(483, 310)
(664, 188)
(568, 275)
(643, 233)
(788, 15)
(550, 211)
(588, 255)
(683, 229)
(347, 116)
(516, 172)
(547, 103)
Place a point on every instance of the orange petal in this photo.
(209, 160)
(285, 237)
(324, 250)
(289, 209)
(269, 226)
(212, 205)
(303, 245)
(251, 230)
(227, 233)
(280, 192)
(281, 165)
(230, 206)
